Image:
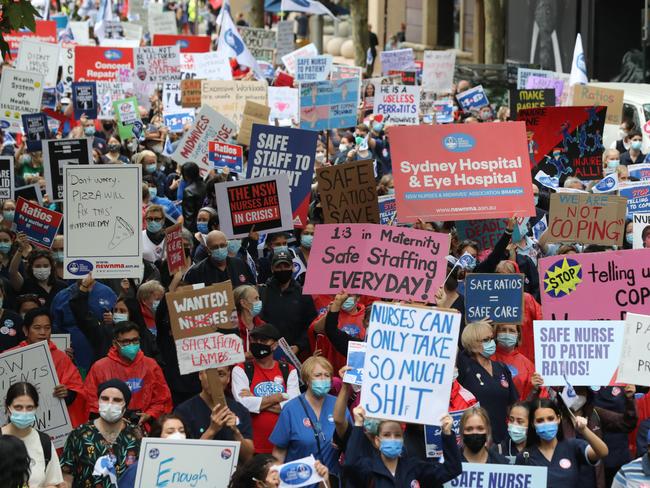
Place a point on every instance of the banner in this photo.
(158, 64)
(634, 368)
(283, 150)
(39, 224)
(103, 220)
(289, 60)
(260, 42)
(585, 96)
(58, 152)
(284, 105)
(397, 60)
(641, 226)
(174, 249)
(438, 71)
(35, 130)
(387, 210)
(101, 63)
(495, 296)
(127, 116)
(260, 203)
(399, 104)
(409, 365)
(84, 99)
(348, 192)
(39, 57)
(316, 68)
(580, 352)
(329, 104)
(6, 177)
(524, 99)
(20, 92)
(473, 99)
(226, 155)
(448, 172)
(45, 31)
(501, 475)
(375, 260)
(162, 22)
(595, 286)
(186, 43)
(175, 463)
(229, 97)
(638, 197)
(587, 218)
(566, 141)
(207, 351)
(433, 435)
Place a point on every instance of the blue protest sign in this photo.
(472, 99)
(638, 197)
(177, 120)
(494, 296)
(433, 434)
(356, 358)
(387, 210)
(639, 171)
(444, 110)
(39, 224)
(283, 150)
(84, 99)
(539, 228)
(224, 155)
(607, 184)
(36, 130)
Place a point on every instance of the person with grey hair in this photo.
(573, 183)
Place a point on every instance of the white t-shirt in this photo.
(41, 477)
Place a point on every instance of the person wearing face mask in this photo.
(153, 236)
(249, 306)
(635, 474)
(150, 197)
(7, 250)
(303, 251)
(345, 146)
(622, 144)
(634, 154)
(114, 152)
(125, 361)
(149, 162)
(8, 212)
(628, 242)
(388, 467)
(611, 161)
(109, 440)
(39, 278)
(263, 385)
(547, 447)
(149, 295)
(517, 431)
(21, 404)
(58, 254)
(275, 242)
(489, 381)
(31, 166)
(207, 220)
(476, 438)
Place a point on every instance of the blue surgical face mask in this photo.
(5, 247)
(151, 168)
(489, 348)
(629, 238)
(22, 420)
(390, 191)
(120, 317)
(58, 256)
(507, 340)
(220, 254)
(154, 226)
(89, 131)
(256, 309)
(636, 145)
(613, 164)
(391, 448)
(547, 431)
(517, 433)
(306, 241)
(536, 199)
(349, 304)
(234, 245)
(279, 249)
(202, 227)
(8, 215)
(153, 192)
(320, 388)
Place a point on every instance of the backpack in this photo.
(249, 368)
(46, 444)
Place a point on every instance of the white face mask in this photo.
(110, 412)
(41, 274)
(176, 435)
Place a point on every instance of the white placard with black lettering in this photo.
(39, 57)
(58, 152)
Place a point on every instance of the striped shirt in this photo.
(635, 474)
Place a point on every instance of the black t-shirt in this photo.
(196, 414)
(11, 330)
(31, 287)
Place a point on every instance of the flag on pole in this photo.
(578, 65)
(104, 14)
(308, 6)
(231, 45)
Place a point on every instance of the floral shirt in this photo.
(86, 445)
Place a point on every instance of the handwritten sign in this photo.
(586, 95)
(229, 97)
(20, 92)
(39, 224)
(396, 60)
(214, 350)
(501, 475)
(521, 99)
(196, 312)
(254, 113)
(438, 71)
(284, 39)
(498, 297)
(399, 104)
(157, 64)
(290, 59)
(284, 105)
(39, 57)
(634, 368)
(174, 249)
(260, 42)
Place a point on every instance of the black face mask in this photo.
(283, 276)
(107, 126)
(474, 442)
(260, 351)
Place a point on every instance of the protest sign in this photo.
(128, 117)
(190, 93)
(585, 96)
(399, 104)
(343, 71)
(186, 43)
(521, 99)
(262, 203)
(348, 192)
(409, 364)
(205, 66)
(260, 42)
(254, 113)
(641, 229)
(62, 341)
(499, 475)
(31, 193)
(566, 141)
(477, 172)
(209, 125)
(406, 77)
(131, 30)
(175, 463)
(473, 99)
(34, 363)
(283, 102)
(175, 116)
(289, 59)
(580, 352)
(195, 312)
(298, 473)
(397, 60)
(226, 155)
(638, 197)
(495, 296)
(376, 260)
(587, 218)
(20, 93)
(316, 68)
(39, 224)
(174, 249)
(45, 31)
(101, 63)
(433, 435)
(162, 22)
(103, 216)
(213, 350)
(438, 71)
(107, 93)
(634, 368)
(80, 31)
(6, 177)
(35, 129)
(560, 86)
(444, 110)
(283, 150)
(539, 228)
(58, 152)
(523, 74)
(387, 210)
(356, 358)
(229, 97)
(284, 38)
(158, 64)
(84, 99)
(329, 104)
(595, 286)
(66, 62)
(639, 171)
(39, 57)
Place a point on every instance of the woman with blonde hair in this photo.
(476, 438)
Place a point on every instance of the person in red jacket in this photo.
(37, 327)
(150, 394)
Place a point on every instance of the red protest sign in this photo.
(187, 44)
(174, 250)
(45, 32)
(93, 63)
(39, 224)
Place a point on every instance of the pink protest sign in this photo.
(377, 260)
(595, 286)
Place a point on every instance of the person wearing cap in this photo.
(98, 452)
(263, 385)
(284, 304)
(635, 474)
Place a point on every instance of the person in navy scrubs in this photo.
(547, 447)
(475, 434)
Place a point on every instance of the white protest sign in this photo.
(289, 60)
(356, 357)
(499, 475)
(301, 472)
(109, 92)
(586, 352)
(21, 92)
(397, 60)
(62, 341)
(123, 43)
(634, 368)
(284, 39)
(34, 363)
(103, 221)
(316, 68)
(80, 32)
(39, 57)
(260, 42)
(641, 229)
(438, 71)
(66, 61)
(205, 66)
(158, 64)
(176, 463)
(132, 31)
(399, 104)
(284, 104)
(162, 22)
(213, 350)
(409, 364)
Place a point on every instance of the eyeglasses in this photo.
(127, 342)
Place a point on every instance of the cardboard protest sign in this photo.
(39, 224)
(6, 177)
(254, 113)
(213, 350)
(638, 197)
(523, 99)
(501, 475)
(195, 312)
(438, 71)
(495, 296)
(35, 129)
(376, 260)
(20, 93)
(31, 193)
(283, 102)
(399, 104)
(433, 435)
(316, 68)
(348, 192)
(289, 59)
(39, 57)
(34, 362)
(226, 155)
(586, 95)
(284, 39)
(477, 172)
(101, 63)
(186, 43)
(175, 116)
(131, 30)
(566, 141)
(205, 66)
(209, 125)
(158, 64)
(102, 233)
(387, 210)
(329, 104)
(260, 42)
(397, 60)
(84, 99)
(183, 462)
(229, 97)
(283, 150)
(634, 368)
(262, 203)
(190, 93)
(174, 249)
(59, 152)
(410, 356)
(587, 218)
(356, 358)
(128, 118)
(641, 230)
(580, 352)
